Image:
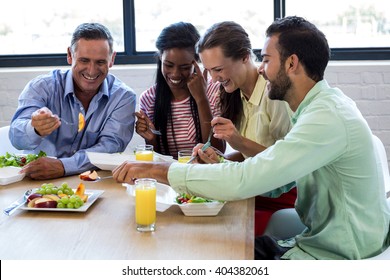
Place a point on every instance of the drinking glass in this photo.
(145, 204)
(183, 156)
(144, 153)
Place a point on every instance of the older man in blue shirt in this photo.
(66, 113)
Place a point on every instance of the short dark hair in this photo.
(302, 38)
(92, 31)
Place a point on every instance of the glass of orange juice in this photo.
(183, 156)
(144, 152)
(145, 204)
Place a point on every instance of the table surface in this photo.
(107, 229)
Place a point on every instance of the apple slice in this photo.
(89, 176)
(52, 197)
(31, 203)
(45, 202)
(33, 195)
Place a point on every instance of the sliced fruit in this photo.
(31, 203)
(52, 197)
(89, 176)
(80, 191)
(45, 203)
(84, 198)
(33, 195)
(81, 121)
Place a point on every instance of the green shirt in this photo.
(329, 152)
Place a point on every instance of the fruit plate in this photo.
(106, 161)
(10, 174)
(93, 195)
(166, 197)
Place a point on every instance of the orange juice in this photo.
(144, 152)
(144, 155)
(145, 204)
(183, 156)
(184, 159)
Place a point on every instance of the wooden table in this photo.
(107, 229)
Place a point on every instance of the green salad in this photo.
(19, 160)
(187, 198)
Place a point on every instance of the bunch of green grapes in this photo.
(72, 201)
(50, 188)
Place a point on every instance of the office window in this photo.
(45, 26)
(347, 23)
(152, 16)
(36, 33)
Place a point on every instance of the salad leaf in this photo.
(19, 160)
(186, 198)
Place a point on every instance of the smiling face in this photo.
(90, 60)
(176, 67)
(230, 73)
(273, 70)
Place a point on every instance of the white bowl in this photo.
(166, 197)
(10, 174)
(202, 209)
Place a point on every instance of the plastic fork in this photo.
(62, 120)
(205, 146)
(17, 204)
(154, 131)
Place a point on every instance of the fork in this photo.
(154, 131)
(205, 146)
(17, 204)
(98, 179)
(62, 120)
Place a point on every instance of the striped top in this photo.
(184, 125)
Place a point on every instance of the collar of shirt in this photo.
(318, 87)
(257, 92)
(69, 87)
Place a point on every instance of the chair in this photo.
(6, 145)
(286, 223)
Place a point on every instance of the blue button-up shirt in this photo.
(109, 121)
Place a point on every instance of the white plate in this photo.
(106, 161)
(10, 174)
(92, 196)
(166, 197)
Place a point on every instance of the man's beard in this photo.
(279, 88)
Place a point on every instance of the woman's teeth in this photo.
(175, 81)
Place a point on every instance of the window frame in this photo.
(131, 56)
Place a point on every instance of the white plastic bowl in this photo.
(166, 197)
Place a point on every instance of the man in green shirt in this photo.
(329, 154)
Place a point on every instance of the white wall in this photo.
(368, 83)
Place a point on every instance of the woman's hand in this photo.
(197, 83)
(224, 129)
(142, 126)
(207, 156)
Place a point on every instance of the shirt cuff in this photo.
(34, 137)
(177, 176)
